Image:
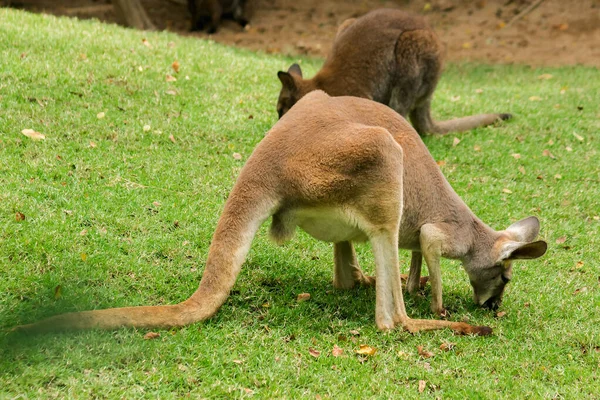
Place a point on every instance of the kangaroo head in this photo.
(490, 265)
(291, 89)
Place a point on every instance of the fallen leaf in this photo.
(505, 190)
(266, 305)
(441, 163)
(561, 240)
(522, 169)
(248, 391)
(172, 138)
(354, 332)
(238, 362)
(170, 78)
(547, 153)
(146, 43)
(100, 115)
(578, 137)
(403, 355)
(337, 351)
(33, 135)
(467, 45)
(175, 66)
(535, 98)
(19, 216)
(171, 92)
(365, 350)
(516, 156)
(454, 98)
(151, 335)
(568, 148)
(57, 292)
(303, 297)
(582, 290)
(558, 177)
(422, 385)
(478, 91)
(83, 232)
(500, 314)
(447, 346)
(455, 142)
(83, 256)
(146, 128)
(561, 27)
(93, 145)
(237, 156)
(424, 353)
(550, 142)
(545, 76)
(313, 352)
(476, 148)
(500, 25)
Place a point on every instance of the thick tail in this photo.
(245, 210)
(467, 123)
(425, 125)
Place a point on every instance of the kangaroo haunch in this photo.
(345, 170)
(388, 56)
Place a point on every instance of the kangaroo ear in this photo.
(287, 80)
(525, 230)
(522, 251)
(295, 69)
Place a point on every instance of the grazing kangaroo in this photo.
(345, 170)
(208, 13)
(388, 56)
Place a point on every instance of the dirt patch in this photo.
(554, 33)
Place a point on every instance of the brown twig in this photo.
(523, 13)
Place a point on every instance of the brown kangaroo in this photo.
(208, 13)
(388, 56)
(344, 169)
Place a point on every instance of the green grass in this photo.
(129, 222)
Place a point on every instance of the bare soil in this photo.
(556, 32)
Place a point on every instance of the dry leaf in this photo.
(447, 346)
(561, 240)
(558, 177)
(146, 43)
(238, 362)
(547, 153)
(249, 391)
(454, 99)
(467, 45)
(535, 98)
(545, 76)
(313, 352)
(568, 148)
(175, 66)
(237, 156)
(366, 350)
(303, 297)
(516, 156)
(172, 138)
(170, 78)
(266, 305)
(83, 256)
(151, 335)
(522, 169)
(562, 27)
(578, 137)
(582, 290)
(171, 92)
(500, 25)
(57, 292)
(505, 190)
(478, 91)
(146, 128)
(500, 314)
(100, 115)
(354, 332)
(92, 144)
(337, 351)
(83, 232)
(156, 204)
(476, 148)
(424, 353)
(422, 385)
(441, 163)
(455, 142)
(19, 216)
(33, 135)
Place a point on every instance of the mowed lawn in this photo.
(117, 206)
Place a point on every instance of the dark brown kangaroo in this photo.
(388, 56)
(208, 13)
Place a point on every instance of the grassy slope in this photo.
(128, 222)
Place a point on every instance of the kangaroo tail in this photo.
(245, 210)
(467, 123)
